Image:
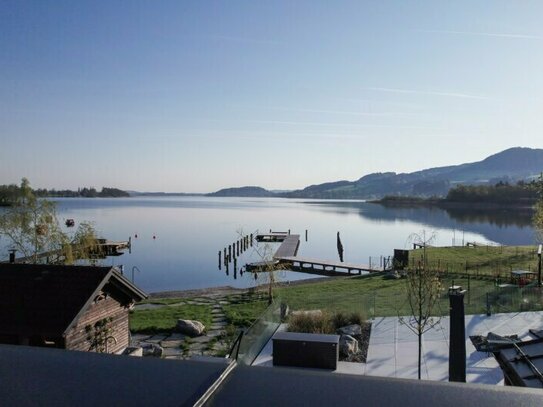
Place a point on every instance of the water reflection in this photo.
(500, 225)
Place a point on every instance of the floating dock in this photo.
(327, 267)
(286, 255)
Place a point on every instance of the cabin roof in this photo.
(47, 299)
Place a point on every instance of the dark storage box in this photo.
(305, 350)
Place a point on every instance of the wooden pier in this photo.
(289, 247)
(327, 267)
(102, 249)
(286, 255)
(289, 243)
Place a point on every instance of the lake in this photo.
(189, 231)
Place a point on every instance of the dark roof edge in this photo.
(138, 294)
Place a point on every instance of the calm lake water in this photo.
(190, 231)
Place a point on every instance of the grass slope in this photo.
(165, 319)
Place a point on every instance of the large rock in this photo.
(352, 330)
(315, 313)
(136, 351)
(348, 345)
(190, 328)
(151, 349)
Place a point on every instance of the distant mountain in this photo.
(510, 165)
(254, 192)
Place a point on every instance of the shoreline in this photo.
(228, 290)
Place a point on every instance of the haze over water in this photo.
(190, 231)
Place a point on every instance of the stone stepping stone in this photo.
(200, 339)
(172, 343)
(175, 337)
(139, 337)
(172, 352)
(215, 332)
(202, 300)
(156, 338)
(196, 347)
(217, 311)
(218, 325)
(224, 302)
(218, 319)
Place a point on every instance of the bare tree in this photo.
(423, 289)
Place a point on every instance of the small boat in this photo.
(70, 223)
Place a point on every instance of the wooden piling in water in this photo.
(225, 258)
(237, 247)
(229, 250)
(219, 259)
(251, 241)
(306, 235)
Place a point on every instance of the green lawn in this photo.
(481, 260)
(165, 319)
(244, 314)
(375, 295)
(164, 301)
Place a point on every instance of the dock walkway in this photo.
(289, 247)
(286, 253)
(289, 243)
(327, 267)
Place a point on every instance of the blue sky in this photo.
(198, 95)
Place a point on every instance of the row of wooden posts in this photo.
(231, 253)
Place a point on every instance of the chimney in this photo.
(12, 255)
(457, 340)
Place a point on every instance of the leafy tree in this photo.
(82, 245)
(423, 288)
(31, 226)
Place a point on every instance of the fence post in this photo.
(374, 302)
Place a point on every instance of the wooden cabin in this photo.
(70, 307)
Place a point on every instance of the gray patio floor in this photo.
(393, 348)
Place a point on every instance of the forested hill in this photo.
(244, 192)
(509, 166)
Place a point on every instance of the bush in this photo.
(311, 323)
(340, 319)
(324, 322)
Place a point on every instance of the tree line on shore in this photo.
(12, 193)
(502, 193)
